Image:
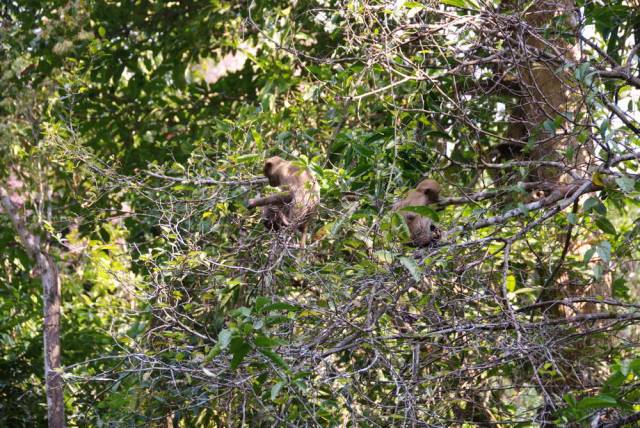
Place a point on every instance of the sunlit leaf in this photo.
(412, 267)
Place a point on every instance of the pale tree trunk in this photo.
(51, 302)
(550, 92)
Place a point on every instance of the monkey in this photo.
(296, 206)
(422, 230)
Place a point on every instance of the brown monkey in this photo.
(423, 230)
(293, 208)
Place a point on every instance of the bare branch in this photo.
(206, 181)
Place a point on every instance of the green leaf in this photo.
(570, 399)
(590, 203)
(588, 254)
(398, 223)
(275, 390)
(549, 126)
(604, 127)
(594, 203)
(250, 158)
(605, 225)
(412, 267)
(266, 342)
(526, 290)
(558, 121)
(463, 4)
(455, 3)
(424, 211)
(280, 319)
(214, 352)
(635, 366)
(413, 5)
(625, 367)
(275, 358)
(619, 287)
(280, 306)
(383, 256)
(242, 311)
(239, 349)
(261, 301)
(604, 251)
(627, 184)
(616, 379)
(224, 338)
(600, 401)
(582, 70)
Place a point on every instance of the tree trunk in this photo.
(549, 92)
(51, 303)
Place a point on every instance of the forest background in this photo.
(132, 135)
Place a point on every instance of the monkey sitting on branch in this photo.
(294, 207)
(423, 230)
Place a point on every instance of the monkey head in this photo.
(273, 170)
(430, 188)
(423, 230)
(297, 205)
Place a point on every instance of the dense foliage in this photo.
(133, 134)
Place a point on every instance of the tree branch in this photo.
(508, 325)
(555, 197)
(205, 181)
(51, 304)
(621, 422)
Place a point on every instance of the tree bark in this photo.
(550, 91)
(51, 304)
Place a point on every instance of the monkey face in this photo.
(271, 170)
(422, 229)
(430, 188)
(274, 180)
(410, 217)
